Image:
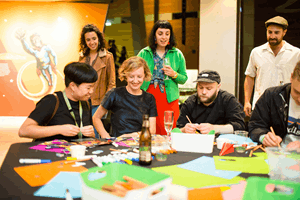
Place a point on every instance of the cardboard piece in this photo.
(197, 143)
(213, 193)
(40, 174)
(226, 149)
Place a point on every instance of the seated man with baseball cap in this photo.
(210, 108)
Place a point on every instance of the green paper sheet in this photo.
(256, 165)
(261, 154)
(192, 179)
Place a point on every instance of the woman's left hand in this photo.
(169, 71)
(88, 131)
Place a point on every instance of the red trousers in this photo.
(162, 105)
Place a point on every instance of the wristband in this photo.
(261, 138)
(175, 75)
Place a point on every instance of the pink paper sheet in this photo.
(43, 148)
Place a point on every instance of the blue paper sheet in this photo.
(237, 138)
(57, 186)
(206, 165)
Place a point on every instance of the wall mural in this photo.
(37, 39)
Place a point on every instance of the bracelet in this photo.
(175, 75)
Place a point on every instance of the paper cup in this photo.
(77, 151)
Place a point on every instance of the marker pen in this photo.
(33, 160)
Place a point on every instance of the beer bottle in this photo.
(145, 143)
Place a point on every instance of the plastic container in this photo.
(77, 150)
(91, 190)
(284, 164)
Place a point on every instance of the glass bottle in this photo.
(145, 143)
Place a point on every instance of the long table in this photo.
(12, 186)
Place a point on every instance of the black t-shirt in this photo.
(127, 109)
(44, 110)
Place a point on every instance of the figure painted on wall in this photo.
(46, 59)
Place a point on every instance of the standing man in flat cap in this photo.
(270, 64)
(210, 108)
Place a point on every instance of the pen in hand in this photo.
(197, 131)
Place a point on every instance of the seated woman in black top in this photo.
(73, 119)
(128, 103)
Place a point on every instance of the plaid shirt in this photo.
(158, 74)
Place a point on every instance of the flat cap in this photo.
(277, 20)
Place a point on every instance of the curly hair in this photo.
(161, 24)
(132, 64)
(82, 44)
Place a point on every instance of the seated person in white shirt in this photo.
(278, 107)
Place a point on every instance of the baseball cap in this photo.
(277, 20)
(208, 76)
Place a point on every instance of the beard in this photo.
(274, 42)
(209, 99)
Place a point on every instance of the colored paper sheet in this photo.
(57, 186)
(193, 179)
(261, 154)
(248, 165)
(122, 144)
(284, 190)
(205, 193)
(43, 148)
(237, 138)
(235, 192)
(206, 165)
(40, 174)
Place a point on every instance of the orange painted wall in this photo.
(59, 25)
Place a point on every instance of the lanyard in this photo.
(72, 113)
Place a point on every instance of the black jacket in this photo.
(271, 109)
(224, 110)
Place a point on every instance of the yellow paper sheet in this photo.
(192, 179)
(255, 165)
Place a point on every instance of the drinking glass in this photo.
(166, 63)
(168, 121)
(241, 137)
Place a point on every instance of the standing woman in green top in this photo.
(168, 69)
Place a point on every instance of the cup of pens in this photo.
(241, 138)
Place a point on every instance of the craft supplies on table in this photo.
(91, 189)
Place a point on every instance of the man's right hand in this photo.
(247, 109)
(190, 128)
(271, 140)
(69, 130)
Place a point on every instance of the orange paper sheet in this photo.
(205, 193)
(40, 174)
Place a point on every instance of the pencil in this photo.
(188, 119)
(272, 130)
(197, 131)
